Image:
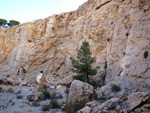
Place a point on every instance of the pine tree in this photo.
(82, 66)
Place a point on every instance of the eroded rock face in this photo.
(80, 91)
(117, 30)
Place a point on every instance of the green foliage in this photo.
(14, 22)
(71, 107)
(44, 95)
(83, 64)
(3, 22)
(53, 95)
(96, 84)
(41, 88)
(53, 104)
(115, 88)
(45, 107)
(79, 77)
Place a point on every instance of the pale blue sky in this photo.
(28, 10)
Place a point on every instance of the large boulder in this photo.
(80, 91)
(32, 97)
(136, 99)
(86, 109)
(65, 81)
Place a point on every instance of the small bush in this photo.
(45, 107)
(115, 88)
(44, 95)
(13, 103)
(41, 88)
(53, 95)
(19, 97)
(53, 103)
(35, 104)
(71, 107)
(96, 84)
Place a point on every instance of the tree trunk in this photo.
(87, 77)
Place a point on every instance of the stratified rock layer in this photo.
(118, 32)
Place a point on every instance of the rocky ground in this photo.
(13, 99)
(110, 98)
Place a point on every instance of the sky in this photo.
(29, 10)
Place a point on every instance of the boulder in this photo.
(32, 97)
(66, 81)
(86, 109)
(81, 91)
(9, 89)
(136, 99)
(60, 89)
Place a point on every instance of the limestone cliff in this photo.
(118, 32)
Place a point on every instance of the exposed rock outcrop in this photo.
(80, 91)
(117, 30)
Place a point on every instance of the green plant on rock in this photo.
(96, 83)
(45, 107)
(82, 66)
(53, 104)
(44, 95)
(73, 107)
(115, 88)
(53, 95)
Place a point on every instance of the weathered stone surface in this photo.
(32, 97)
(86, 109)
(136, 99)
(80, 91)
(117, 30)
(61, 89)
(66, 81)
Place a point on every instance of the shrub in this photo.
(45, 107)
(41, 88)
(96, 84)
(71, 107)
(79, 77)
(53, 103)
(19, 97)
(115, 88)
(44, 95)
(53, 95)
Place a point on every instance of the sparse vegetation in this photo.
(40, 88)
(53, 95)
(19, 97)
(96, 83)
(44, 95)
(73, 107)
(45, 107)
(115, 88)
(53, 104)
(13, 103)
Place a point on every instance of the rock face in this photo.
(118, 32)
(80, 91)
(85, 110)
